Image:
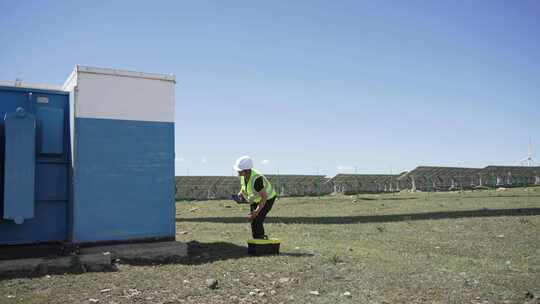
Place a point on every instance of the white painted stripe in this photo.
(125, 97)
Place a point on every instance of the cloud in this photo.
(265, 162)
(203, 160)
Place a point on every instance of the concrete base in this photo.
(141, 251)
(97, 258)
(92, 262)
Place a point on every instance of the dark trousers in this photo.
(257, 229)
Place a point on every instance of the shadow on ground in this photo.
(499, 196)
(198, 253)
(383, 218)
(203, 253)
(386, 198)
(458, 195)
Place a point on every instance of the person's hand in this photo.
(253, 215)
(241, 194)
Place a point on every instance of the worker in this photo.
(258, 192)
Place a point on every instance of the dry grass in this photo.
(405, 248)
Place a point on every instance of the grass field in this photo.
(472, 247)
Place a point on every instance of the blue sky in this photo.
(308, 86)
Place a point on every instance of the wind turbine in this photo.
(528, 161)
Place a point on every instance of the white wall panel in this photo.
(114, 94)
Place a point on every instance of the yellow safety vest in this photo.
(248, 188)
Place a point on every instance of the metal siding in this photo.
(126, 98)
(123, 180)
(124, 73)
(51, 183)
(51, 130)
(48, 225)
(19, 162)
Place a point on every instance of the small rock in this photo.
(185, 282)
(284, 280)
(462, 273)
(314, 293)
(47, 276)
(183, 232)
(93, 300)
(105, 290)
(471, 283)
(296, 248)
(257, 290)
(500, 235)
(132, 292)
(252, 293)
(193, 209)
(212, 283)
(261, 294)
(437, 247)
(10, 296)
(508, 262)
(346, 294)
(273, 292)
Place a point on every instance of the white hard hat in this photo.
(243, 163)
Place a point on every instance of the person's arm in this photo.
(241, 194)
(264, 198)
(259, 187)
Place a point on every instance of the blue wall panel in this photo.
(123, 180)
(51, 130)
(19, 165)
(51, 181)
(48, 225)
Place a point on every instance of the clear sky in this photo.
(308, 86)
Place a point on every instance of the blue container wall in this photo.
(123, 180)
(52, 165)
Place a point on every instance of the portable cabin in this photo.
(91, 161)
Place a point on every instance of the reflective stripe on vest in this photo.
(249, 190)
